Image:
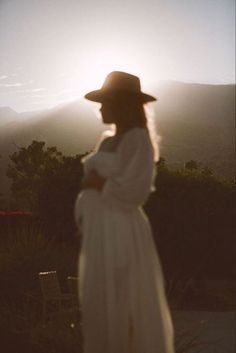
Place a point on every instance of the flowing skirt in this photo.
(121, 287)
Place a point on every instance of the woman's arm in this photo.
(132, 183)
(93, 181)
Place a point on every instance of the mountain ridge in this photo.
(195, 122)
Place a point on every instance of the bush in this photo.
(28, 252)
(193, 224)
(46, 182)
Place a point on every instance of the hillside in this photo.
(195, 121)
(7, 115)
(198, 103)
(73, 128)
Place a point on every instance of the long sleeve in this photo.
(132, 183)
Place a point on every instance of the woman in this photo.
(121, 291)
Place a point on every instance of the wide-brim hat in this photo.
(120, 84)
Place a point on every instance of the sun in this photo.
(91, 73)
(91, 67)
(94, 75)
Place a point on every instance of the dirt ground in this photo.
(214, 331)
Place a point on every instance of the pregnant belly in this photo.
(87, 202)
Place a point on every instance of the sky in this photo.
(54, 51)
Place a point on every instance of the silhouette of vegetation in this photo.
(24, 253)
(47, 182)
(191, 211)
(191, 165)
(192, 214)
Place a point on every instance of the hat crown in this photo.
(122, 81)
(120, 84)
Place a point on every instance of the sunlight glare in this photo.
(92, 75)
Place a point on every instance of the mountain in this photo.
(198, 103)
(65, 126)
(7, 115)
(195, 121)
(73, 128)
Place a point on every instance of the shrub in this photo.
(47, 182)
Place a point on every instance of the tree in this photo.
(193, 221)
(46, 182)
(191, 165)
(56, 201)
(27, 169)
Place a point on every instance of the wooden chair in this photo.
(73, 283)
(54, 301)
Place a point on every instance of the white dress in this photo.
(121, 289)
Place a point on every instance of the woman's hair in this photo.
(130, 113)
(153, 132)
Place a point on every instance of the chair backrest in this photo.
(49, 284)
(73, 284)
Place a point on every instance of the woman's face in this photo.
(108, 113)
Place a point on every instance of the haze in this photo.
(53, 51)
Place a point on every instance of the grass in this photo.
(23, 254)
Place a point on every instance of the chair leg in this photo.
(44, 312)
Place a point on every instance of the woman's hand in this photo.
(93, 181)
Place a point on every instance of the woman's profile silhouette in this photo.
(121, 289)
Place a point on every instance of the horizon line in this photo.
(82, 99)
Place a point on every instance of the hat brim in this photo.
(101, 96)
